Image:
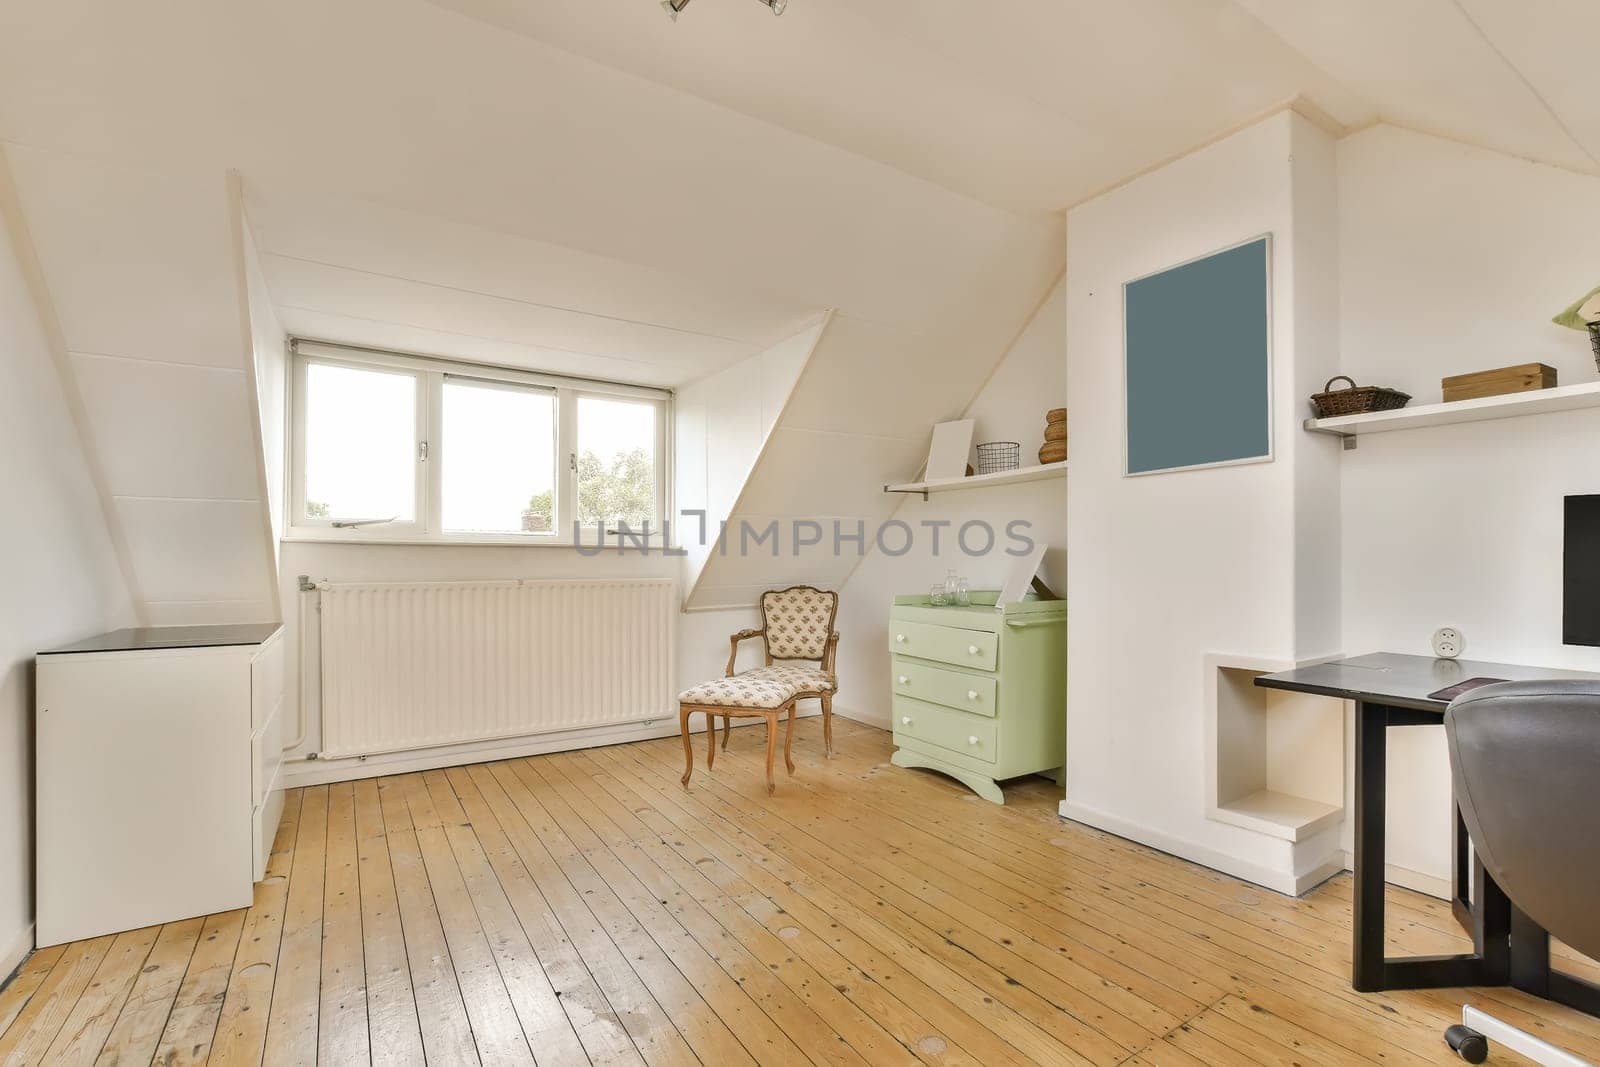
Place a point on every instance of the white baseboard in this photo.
(1278, 881)
(1426, 884)
(12, 955)
(880, 719)
(302, 772)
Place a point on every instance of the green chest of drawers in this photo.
(977, 693)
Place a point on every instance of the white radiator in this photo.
(420, 664)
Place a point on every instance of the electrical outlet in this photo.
(1448, 643)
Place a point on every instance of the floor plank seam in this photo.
(1181, 1027)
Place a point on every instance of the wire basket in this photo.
(997, 456)
(1594, 341)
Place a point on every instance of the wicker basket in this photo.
(1594, 342)
(1356, 400)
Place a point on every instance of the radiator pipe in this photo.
(306, 586)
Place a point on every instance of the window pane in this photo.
(499, 459)
(616, 462)
(361, 444)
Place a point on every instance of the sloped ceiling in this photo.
(582, 185)
(1503, 75)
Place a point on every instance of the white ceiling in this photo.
(586, 186)
(345, 270)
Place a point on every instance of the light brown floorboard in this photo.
(583, 906)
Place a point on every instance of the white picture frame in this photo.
(947, 454)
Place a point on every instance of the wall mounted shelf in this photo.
(1506, 406)
(1035, 473)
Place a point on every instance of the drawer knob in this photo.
(905, 720)
(972, 740)
(900, 638)
(972, 650)
(904, 680)
(972, 694)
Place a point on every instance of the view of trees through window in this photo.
(622, 491)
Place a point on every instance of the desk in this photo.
(1392, 690)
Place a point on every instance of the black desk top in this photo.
(1402, 681)
(155, 637)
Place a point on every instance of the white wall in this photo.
(57, 568)
(721, 424)
(269, 351)
(1030, 381)
(141, 270)
(1164, 569)
(1453, 260)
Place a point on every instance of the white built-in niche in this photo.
(1276, 759)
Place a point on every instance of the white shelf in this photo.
(1506, 406)
(1035, 473)
(1281, 815)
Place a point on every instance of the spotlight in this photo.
(672, 7)
(776, 5)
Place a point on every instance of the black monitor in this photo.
(1580, 612)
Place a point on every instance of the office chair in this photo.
(1523, 757)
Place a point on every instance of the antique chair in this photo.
(797, 629)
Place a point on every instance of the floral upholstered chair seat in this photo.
(741, 691)
(803, 676)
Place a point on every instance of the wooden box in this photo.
(1519, 379)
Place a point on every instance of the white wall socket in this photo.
(1448, 643)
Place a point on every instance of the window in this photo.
(616, 464)
(361, 440)
(499, 458)
(391, 447)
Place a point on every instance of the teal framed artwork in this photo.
(1198, 362)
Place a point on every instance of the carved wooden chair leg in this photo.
(727, 728)
(711, 740)
(827, 725)
(772, 748)
(788, 740)
(688, 748)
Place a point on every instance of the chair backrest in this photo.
(1525, 759)
(798, 621)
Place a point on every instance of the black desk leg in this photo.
(1490, 924)
(1490, 919)
(1460, 902)
(1372, 737)
(1530, 955)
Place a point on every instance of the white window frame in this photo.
(430, 445)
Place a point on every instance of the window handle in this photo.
(355, 524)
(422, 453)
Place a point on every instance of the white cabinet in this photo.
(158, 776)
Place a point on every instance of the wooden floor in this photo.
(584, 907)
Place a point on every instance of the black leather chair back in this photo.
(1525, 758)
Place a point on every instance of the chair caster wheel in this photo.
(1467, 1043)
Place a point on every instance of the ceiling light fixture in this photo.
(673, 7)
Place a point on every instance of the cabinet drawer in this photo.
(266, 754)
(266, 681)
(969, 692)
(970, 735)
(945, 644)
